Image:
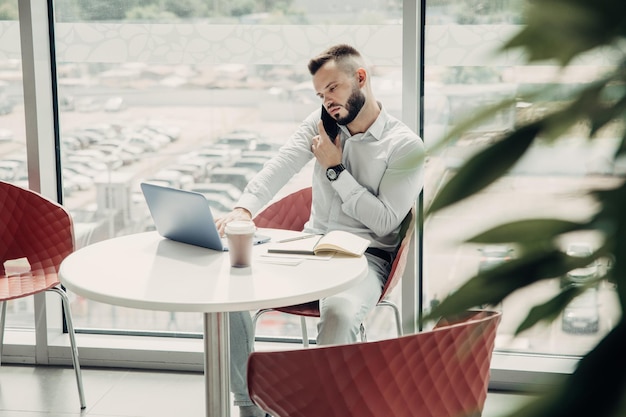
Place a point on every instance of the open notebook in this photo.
(336, 241)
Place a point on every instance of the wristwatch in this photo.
(332, 173)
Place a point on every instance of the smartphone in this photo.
(330, 125)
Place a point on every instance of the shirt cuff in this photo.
(250, 203)
(346, 186)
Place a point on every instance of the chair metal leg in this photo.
(305, 333)
(70, 329)
(396, 312)
(363, 333)
(256, 317)
(3, 314)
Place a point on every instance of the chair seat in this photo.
(26, 283)
(311, 309)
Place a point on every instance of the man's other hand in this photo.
(239, 213)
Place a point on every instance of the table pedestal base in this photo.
(217, 364)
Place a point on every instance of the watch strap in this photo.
(332, 173)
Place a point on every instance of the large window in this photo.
(197, 97)
(462, 75)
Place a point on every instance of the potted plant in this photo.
(560, 31)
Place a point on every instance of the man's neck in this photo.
(366, 117)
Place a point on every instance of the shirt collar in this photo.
(376, 129)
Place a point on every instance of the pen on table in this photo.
(291, 239)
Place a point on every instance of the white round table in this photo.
(147, 271)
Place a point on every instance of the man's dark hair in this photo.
(345, 56)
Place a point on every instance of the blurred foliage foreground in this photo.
(558, 31)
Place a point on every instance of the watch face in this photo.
(331, 174)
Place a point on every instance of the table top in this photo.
(147, 271)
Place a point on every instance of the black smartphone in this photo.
(330, 125)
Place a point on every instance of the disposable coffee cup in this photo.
(240, 235)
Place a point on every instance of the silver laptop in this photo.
(185, 216)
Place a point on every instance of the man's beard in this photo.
(355, 103)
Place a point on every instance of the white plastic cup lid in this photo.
(240, 227)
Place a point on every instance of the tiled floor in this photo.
(28, 391)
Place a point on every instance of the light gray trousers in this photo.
(341, 316)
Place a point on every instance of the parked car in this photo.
(114, 104)
(238, 177)
(582, 315)
(94, 163)
(86, 137)
(87, 104)
(255, 164)
(79, 180)
(10, 170)
(116, 148)
(265, 154)
(172, 178)
(227, 190)
(83, 169)
(6, 135)
(239, 140)
(6, 105)
(580, 276)
(580, 249)
(66, 103)
(220, 205)
(142, 141)
(494, 255)
(71, 143)
(267, 147)
(196, 171)
(216, 156)
(154, 126)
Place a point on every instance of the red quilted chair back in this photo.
(35, 228)
(290, 212)
(399, 263)
(438, 373)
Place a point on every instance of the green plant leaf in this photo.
(527, 231)
(475, 176)
(608, 109)
(563, 29)
(585, 103)
(492, 286)
(549, 310)
(621, 149)
(481, 116)
(539, 261)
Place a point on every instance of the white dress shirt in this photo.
(381, 182)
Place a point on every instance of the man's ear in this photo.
(361, 76)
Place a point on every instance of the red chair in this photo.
(439, 373)
(36, 234)
(291, 213)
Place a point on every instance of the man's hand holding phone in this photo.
(327, 152)
(330, 125)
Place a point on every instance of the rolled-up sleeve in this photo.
(291, 157)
